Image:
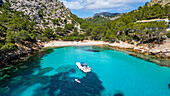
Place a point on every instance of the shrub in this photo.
(22, 35)
(8, 47)
(48, 32)
(168, 35)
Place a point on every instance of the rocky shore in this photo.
(23, 51)
(161, 51)
(159, 54)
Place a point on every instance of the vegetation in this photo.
(15, 27)
(127, 29)
(98, 20)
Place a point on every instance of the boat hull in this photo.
(83, 69)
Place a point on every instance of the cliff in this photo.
(46, 13)
(161, 2)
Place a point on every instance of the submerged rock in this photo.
(16, 78)
(62, 84)
(1, 78)
(169, 86)
(5, 90)
(64, 68)
(92, 50)
(45, 70)
(24, 67)
(118, 94)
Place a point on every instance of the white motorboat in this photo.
(83, 67)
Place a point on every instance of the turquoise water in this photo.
(113, 74)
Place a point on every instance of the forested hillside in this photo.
(127, 29)
(21, 33)
(98, 20)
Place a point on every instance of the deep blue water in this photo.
(113, 73)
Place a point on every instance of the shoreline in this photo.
(157, 55)
(73, 43)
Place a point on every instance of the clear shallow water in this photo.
(113, 72)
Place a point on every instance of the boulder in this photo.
(23, 54)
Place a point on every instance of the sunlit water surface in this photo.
(113, 74)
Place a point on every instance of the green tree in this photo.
(10, 37)
(8, 47)
(84, 25)
(59, 29)
(48, 32)
(22, 35)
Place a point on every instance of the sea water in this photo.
(113, 73)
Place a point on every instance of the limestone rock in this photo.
(44, 12)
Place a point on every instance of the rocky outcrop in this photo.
(161, 51)
(159, 54)
(24, 50)
(162, 2)
(46, 13)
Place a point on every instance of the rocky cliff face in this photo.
(162, 2)
(46, 13)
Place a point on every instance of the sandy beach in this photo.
(73, 43)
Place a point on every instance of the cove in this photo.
(113, 73)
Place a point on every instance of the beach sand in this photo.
(73, 43)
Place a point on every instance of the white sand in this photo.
(122, 45)
(73, 43)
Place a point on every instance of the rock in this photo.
(93, 50)
(132, 55)
(12, 56)
(24, 67)
(42, 10)
(2, 77)
(118, 94)
(5, 89)
(23, 54)
(45, 70)
(29, 49)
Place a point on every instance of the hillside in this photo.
(161, 2)
(98, 20)
(127, 29)
(103, 17)
(26, 24)
(45, 13)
